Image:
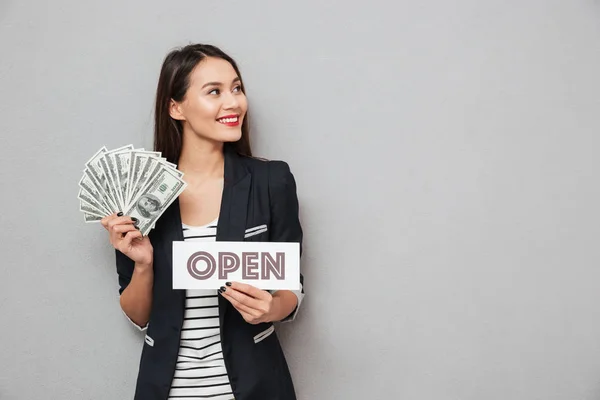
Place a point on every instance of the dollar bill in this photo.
(87, 209)
(170, 164)
(100, 183)
(109, 157)
(158, 166)
(90, 210)
(141, 172)
(122, 159)
(150, 171)
(90, 189)
(111, 187)
(111, 162)
(99, 179)
(89, 218)
(135, 168)
(86, 198)
(155, 198)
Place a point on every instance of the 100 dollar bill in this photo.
(152, 201)
(137, 160)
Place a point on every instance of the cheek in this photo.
(201, 112)
(243, 102)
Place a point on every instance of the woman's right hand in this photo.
(125, 237)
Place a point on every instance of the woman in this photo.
(208, 344)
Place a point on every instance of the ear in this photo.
(175, 111)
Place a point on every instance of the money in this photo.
(85, 199)
(91, 217)
(86, 208)
(141, 169)
(155, 198)
(122, 170)
(142, 184)
(136, 158)
(87, 187)
(94, 171)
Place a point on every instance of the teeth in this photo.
(228, 120)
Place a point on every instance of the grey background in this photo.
(446, 155)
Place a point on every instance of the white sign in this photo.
(208, 265)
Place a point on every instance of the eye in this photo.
(214, 91)
(238, 88)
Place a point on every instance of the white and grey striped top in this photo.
(200, 371)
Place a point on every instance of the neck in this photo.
(201, 158)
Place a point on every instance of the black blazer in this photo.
(256, 192)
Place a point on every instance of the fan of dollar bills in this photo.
(139, 183)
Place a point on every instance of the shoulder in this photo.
(277, 172)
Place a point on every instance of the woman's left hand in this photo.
(255, 305)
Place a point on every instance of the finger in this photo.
(128, 238)
(250, 290)
(119, 221)
(248, 317)
(242, 308)
(123, 228)
(244, 299)
(118, 232)
(104, 221)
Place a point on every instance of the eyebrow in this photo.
(237, 79)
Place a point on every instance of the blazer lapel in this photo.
(171, 231)
(234, 206)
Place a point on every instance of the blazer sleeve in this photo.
(125, 267)
(285, 223)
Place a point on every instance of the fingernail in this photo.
(134, 219)
(228, 283)
(219, 291)
(223, 288)
(136, 227)
(120, 214)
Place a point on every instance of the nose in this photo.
(230, 101)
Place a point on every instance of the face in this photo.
(214, 106)
(147, 204)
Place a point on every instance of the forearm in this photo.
(136, 299)
(284, 302)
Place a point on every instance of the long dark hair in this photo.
(173, 83)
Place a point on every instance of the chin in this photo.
(232, 137)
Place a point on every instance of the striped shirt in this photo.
(200, 371)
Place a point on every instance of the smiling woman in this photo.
(217, 344)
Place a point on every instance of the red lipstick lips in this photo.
(230, 120)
